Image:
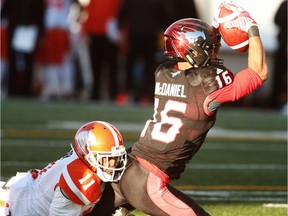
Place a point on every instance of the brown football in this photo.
(234, 37)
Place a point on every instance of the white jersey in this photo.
(65, 187)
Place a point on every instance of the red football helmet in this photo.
(192, 40)
(99, 144)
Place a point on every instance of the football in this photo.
(234, 37)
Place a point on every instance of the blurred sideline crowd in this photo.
(97, 50)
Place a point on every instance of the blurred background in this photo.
(67, 62)
(107, 51)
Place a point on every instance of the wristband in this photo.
(253, 31)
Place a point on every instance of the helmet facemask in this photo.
(100, 146)
(110, 165)
(202, 54)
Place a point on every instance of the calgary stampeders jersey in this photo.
(64, 187)
(185, 110)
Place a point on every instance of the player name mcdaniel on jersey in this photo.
(170, 89)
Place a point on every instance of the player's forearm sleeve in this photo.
(244, 83)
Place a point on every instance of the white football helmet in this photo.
(100, 146)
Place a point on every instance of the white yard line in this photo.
(214, 132)
(189, 166)
(275, 205)
(206, 146)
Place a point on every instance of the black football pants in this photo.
(141, 189)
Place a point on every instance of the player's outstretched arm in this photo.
(242, 20)
(256, 54)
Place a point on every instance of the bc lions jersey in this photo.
(64, 187)
(184, 112)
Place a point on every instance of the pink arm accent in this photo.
(245, 82)
(164, 199)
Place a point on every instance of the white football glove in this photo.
(215, 24)
(240, 18)
(244, 22)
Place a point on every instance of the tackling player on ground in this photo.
(73, 184)
(190, 86)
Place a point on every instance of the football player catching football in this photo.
(190, 87)
(74, 183)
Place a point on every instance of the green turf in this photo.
(243, 209)
(238, 209)
(257, 166)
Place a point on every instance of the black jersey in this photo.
(179, 125)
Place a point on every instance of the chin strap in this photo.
(215, 62)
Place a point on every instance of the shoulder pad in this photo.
(80, 184)
(214, 78)
(194, 76)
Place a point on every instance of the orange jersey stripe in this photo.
(80, 183)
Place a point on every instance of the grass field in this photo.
(240, 170)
